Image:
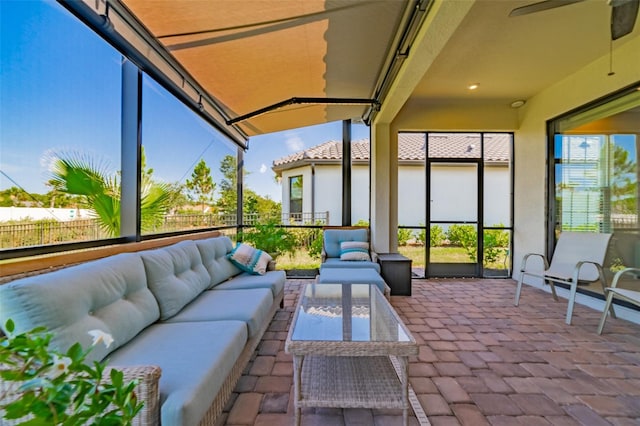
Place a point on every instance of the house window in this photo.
(594, 176)
(295, 198)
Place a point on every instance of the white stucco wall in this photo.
(411, 193)
(40, 213)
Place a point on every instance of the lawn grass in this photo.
(448, 254)
(299, 260)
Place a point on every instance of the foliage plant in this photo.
(79, 175)
(309, 238)
(495, 241)
(436, 237)
(45, 387)
(271, 237)
(404, 235)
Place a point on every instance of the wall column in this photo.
(384, 188)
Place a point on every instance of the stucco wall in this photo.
(411, 192)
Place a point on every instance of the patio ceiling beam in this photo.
(298, 100)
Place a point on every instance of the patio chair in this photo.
(578, 258)
(628, 295)
(334, 254)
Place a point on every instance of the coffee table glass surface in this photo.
(347, 313)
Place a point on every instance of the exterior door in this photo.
(454, 211)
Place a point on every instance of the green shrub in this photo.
(436, 236)
(271, 237)
(496, 244)
(464, 236)
(404, 235)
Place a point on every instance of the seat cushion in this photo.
(333, 237)
(195, 359)
(214, 253)
(109, 294)
(273, 280)
(351, 264)
(175, 275)
(351, 276)
(251, 306)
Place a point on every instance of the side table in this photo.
(396, 272)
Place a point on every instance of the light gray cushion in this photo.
(175, 275)
(351, 276)
(214, 253)
(272, 279)
(333, 237)
(195, 359)
(251, 306)
(354, 250)
(337, 263)
(108, 294)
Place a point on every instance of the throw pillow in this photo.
(249, 259)
(354, 250)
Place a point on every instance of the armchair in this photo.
(335, 253)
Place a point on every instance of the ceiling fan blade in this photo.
(540, 6)
(623, 17)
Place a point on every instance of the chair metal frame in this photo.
(631, 296)
(578, 257)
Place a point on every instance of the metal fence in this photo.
(15, 235)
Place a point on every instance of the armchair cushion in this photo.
(250, 259)
(354, 250)
(333, 237)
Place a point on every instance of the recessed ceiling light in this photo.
(473, 86)
(518, 103)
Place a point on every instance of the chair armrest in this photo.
(619, 274)
(271, 266)
(526, 257)
(374, 256)
(323, 255)
(147, 390)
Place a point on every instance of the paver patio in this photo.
(482, 361)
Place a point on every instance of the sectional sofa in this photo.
(185, 321)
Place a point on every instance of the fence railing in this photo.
(15, 235)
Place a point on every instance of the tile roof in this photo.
(411, 147)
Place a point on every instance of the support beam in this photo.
(384, 188)
(346, 173)
(130, 156)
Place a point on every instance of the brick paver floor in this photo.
(482, 361)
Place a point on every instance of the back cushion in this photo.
(333, 237)
(175, 275)
(109, 294)
(214, 257)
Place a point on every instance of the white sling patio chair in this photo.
(578, 257)
(631, 296)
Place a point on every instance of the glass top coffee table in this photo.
(345, 340)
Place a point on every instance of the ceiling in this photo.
(252, 54)
(517, 57)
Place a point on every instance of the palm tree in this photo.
(80, 175)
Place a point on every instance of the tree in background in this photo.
(624, 182)
(227, 202)
(253, 203)
(201, 183)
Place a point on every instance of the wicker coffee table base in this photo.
(349, 382)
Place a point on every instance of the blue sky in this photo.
(59, 92)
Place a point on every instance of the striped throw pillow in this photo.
(354, 250)
(250, 259)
